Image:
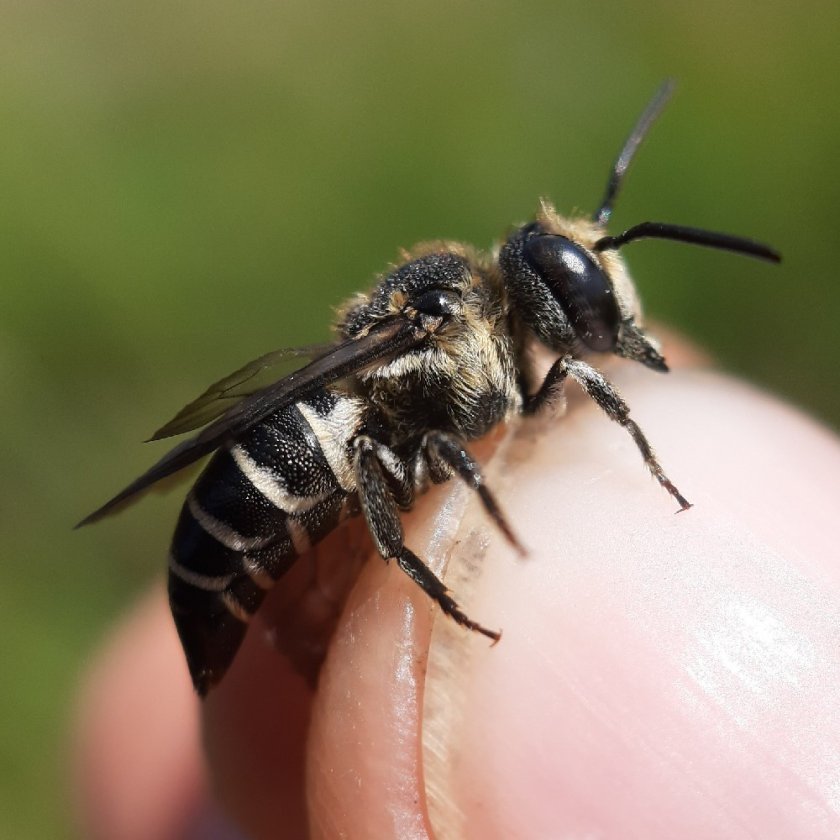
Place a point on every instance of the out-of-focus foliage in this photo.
(186, 186)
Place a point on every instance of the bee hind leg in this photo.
(382, 517)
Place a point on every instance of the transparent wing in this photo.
(389, 338)
(221, 395)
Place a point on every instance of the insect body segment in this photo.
(258, 505)
(433, 357)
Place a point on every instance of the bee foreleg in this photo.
(446, 453)
(382, 517)
(611, 403)
(549, 392)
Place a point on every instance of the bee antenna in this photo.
(696, 236)
(631, 145)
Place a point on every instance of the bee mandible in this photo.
(433, 357)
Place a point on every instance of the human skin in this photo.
(659, 675)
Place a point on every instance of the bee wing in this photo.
(390, 337)
(244, 382)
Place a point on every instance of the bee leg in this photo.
(382, 517)
(549, 392)
(445, 453)
(394, 471)
(611, 403)
(422, 575)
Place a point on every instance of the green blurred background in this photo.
(187, 185)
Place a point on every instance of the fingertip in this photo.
(659, 675)
(634, 642)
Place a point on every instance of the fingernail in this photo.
(455, 655)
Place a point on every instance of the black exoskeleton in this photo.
(433, 357)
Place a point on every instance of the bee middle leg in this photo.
(446, 453)
(381, 514)
(610, 402)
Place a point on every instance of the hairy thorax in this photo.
(463, 382)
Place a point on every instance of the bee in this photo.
(433, 357)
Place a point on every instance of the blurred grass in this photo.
(185, 186)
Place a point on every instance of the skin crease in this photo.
(658, 675)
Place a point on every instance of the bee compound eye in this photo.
(579, 285)
(437, 302)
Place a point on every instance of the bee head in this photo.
(571, 295)
(567, 282)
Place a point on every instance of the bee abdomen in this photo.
(255, 508)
